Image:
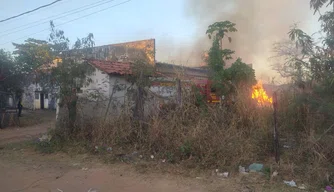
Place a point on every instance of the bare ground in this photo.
(24, 169)
(32, 124)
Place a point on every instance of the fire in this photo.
(259, 94)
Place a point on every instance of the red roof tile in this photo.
(112, 67)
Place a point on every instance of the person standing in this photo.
(19, 107)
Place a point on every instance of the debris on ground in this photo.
(242, 170)
(84, 169)
(220, 174)
(92, 190)
(225, 174)
(255, 167)
(275, 173)
(59, 190)
(164, 161)
(247, 189)
(152, 156)
(291, 183)
(328, 188)
(109, 149)
(45, 137)
(302, 186)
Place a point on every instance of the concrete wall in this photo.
(94, 96)
(30, 101)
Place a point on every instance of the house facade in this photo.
(109, 90)
(34, 97)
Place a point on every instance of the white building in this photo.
(35, 98)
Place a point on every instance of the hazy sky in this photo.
(135, 20)
(177, 25)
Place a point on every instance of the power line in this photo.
(30, 11)
(70, 21)
(70, 13)
(33, 13)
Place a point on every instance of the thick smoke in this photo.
(260, 23)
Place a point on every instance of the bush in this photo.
(214, 136)
(205, 137)
(307, 128)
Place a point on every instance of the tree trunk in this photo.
(72, 111)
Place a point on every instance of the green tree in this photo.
(317, 4)
(241, 74)
(32, 54)
(71, 73)
(311, 68)
(217, 55)
(220, 30)
(10, 80)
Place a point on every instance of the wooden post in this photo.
(276, 141)
(179, 92)
(139, 105)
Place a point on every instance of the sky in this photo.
(178, 26)
(134, 20)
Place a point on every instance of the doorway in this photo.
(42, 100)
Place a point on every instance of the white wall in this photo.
(46, 101)
(99, 85)
(119, 85)
(94, 96)
(28, 98)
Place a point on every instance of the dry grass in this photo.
(306, 131)
(198, 137)
(223, 137)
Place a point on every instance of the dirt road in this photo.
(33, 124)
(26, 170)
(16, 134)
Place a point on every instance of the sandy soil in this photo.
(26, 170)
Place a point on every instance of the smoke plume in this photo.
(260, 23)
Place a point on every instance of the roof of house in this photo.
(111, 67)
(124, 68)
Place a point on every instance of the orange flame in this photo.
(259, 94)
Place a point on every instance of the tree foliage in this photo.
(32, 54)
(317, 4)
(239, 74)
(10, 80)
(221, 29)
(310, 65)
